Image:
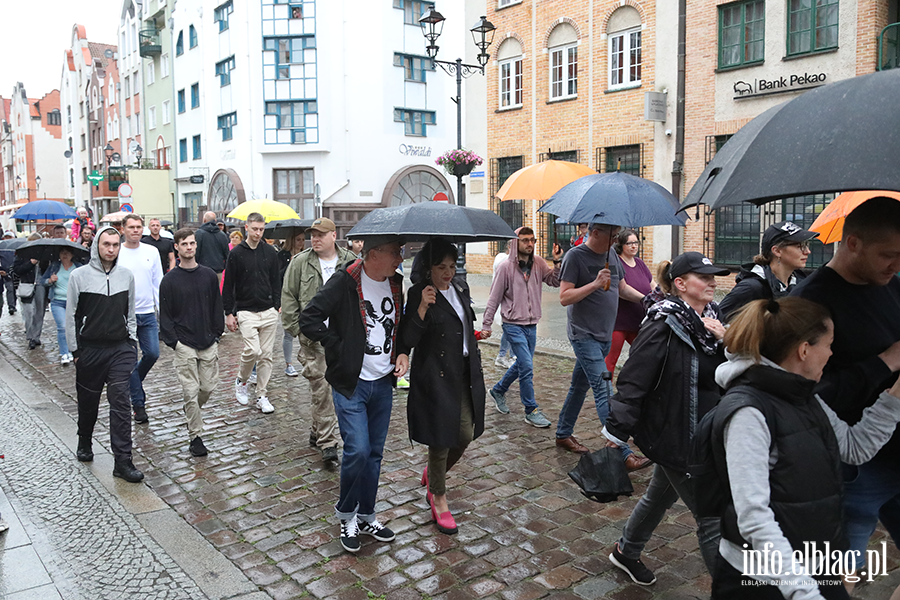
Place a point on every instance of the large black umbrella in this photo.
(286, 228)
(839, 137)
(48, 249)
(13, 243)
(615, 199)
(422, 221)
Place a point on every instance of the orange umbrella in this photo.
(540, 181)
(830, 222)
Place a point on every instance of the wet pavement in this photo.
(264, 499)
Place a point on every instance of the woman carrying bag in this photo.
(30, 296)
(664, 389)
(445, 408)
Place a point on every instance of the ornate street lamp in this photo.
(432, 24)
(108, 151)
(138, 153)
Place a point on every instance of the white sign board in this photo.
(655, 106)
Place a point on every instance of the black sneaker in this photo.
(313, 440)
(637, 570)
(350, 535)
(126, 470)
(85, 452)
(140, 415)
(330, 454)
(197, 447)
(377, 531)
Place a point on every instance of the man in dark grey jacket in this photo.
(101, 331)
(212, 245)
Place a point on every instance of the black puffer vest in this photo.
(805, 482)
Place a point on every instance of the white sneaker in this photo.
(252, 378)
(240, 392)
(263, 404)
(64, 359)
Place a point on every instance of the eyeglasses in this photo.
(804, 246)
(631, 243)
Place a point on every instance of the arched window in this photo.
(510, 77)
(563, 50)
(623, 31)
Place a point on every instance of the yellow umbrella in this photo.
(540, 181)
(830, 222)
(271, 210)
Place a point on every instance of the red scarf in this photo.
(355, 271)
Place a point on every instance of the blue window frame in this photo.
(182, 150)
(413, 10)
(414, 67)
(223, 70)
(221, 15)
(226, 124)
(192, 36)
(180, 101)
(289, 51)
(195, 95)
(415, 122)
(179, 45)
(197, 154)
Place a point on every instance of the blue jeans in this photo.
(590, 367)
(873, 494)
(522, 338)
(363, 419)
(148, 339)
(505, 347)
(58, 310)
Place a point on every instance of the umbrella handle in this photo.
(606, 285)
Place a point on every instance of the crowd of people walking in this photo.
(793, 376)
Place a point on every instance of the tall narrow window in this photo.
(223, 70)
(195, 95)
(182, 150)
(812, 26)
(510, 79)
(197, 153)
(180, 101)
(192, 36)
(179, 44)
(221, 15)
(563, 50)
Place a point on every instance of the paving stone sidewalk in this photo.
(265, 499)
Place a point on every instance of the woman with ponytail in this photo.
(783, 448)
(664, 389)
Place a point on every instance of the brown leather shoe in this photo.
(636, 463)
(570, 444)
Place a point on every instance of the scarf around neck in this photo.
(689, 319)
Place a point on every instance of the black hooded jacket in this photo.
(212, 247)
(756, 282)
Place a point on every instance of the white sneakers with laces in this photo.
(263, 404)
(241, 394)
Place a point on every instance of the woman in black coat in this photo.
(445, 408)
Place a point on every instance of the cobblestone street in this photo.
(264, 499)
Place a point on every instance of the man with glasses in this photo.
(356, 316)
(592, 281)
(252, 300)
(516, 289)
(774, 271)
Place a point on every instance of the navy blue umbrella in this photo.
(615, 199)
(48, 210)
(422, 221)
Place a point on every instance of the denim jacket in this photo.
(54, 268)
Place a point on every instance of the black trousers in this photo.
(112, 367)
(730, 584)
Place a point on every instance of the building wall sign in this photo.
(780, 85)
(655, 106)
(415, 150)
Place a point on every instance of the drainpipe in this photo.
(678, 165)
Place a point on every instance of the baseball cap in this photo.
(323, 225)
(694, 262)
(785, 231)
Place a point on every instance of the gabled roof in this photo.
(99, 51)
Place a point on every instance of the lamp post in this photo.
(138, 153)
(28, 190)
(432, 24)
(108, 151)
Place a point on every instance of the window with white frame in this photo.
(151, 72)
(165, 112)
(221, 15)
(164, 66)
(623, 31)
(151, 118)
(510, 77)
(563, 50)
(505, 3)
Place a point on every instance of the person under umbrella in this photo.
(445, 407)
(26, 270)
(775, 271)
(56, 280)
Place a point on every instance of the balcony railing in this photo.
(889, 47)
(149, 43)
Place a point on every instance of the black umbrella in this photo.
(166, 223)
(602, 476)
(48, 249)
(13, 243)
(7, 257)
(422, 221)
(286, 228)
(839, 137)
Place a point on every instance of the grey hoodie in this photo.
(100, 304)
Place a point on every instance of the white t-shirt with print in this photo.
(327, 267)
(456, 302)
(381, 319)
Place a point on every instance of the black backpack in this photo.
(707, 469)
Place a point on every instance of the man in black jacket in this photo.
(860, 288)
(252, 299)
(356, 316)
(191, 322)
(212, 245)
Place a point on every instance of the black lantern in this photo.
(483, 35)
(138, 153)
(108, 151)
(37, 183)
(432, 24)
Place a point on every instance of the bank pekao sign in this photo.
(796, 82)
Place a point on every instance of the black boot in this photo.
(127, 471)
(84, 453)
